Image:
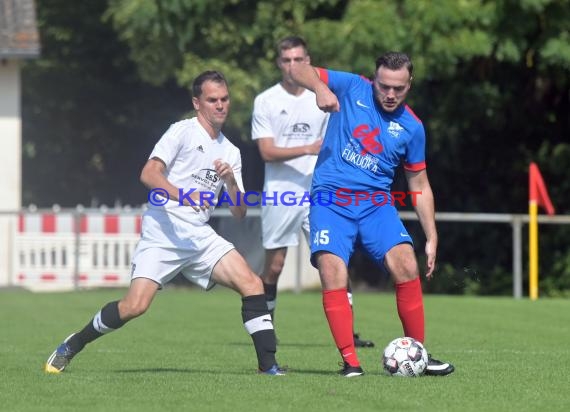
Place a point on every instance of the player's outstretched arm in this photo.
(308, 77)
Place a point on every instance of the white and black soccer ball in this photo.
(405, 357)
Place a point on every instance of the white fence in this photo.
(46, 251)
(70, 250)
(60, 261)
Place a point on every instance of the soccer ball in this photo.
(405, 357)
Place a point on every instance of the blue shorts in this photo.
(377, 230)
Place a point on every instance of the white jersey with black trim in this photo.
(189, 153)
(291, 121)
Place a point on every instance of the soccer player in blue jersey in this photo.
(288, 128)
(371, 131)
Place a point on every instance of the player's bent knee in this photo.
(250, 284)
(253, 280)
(406, 275)
(275, 269)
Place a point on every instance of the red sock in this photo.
(411, 308)
(339, 315)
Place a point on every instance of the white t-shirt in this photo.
(291, 121)
(189, 153)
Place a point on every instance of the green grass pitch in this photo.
(190, 352)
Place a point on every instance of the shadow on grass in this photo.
(292, 371)
(160, 370)
(289, 344)
(321, 372)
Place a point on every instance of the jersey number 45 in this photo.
(321, 237)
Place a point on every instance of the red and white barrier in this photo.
(88, 223)
(64, 251)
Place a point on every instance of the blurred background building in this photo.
(18, 40)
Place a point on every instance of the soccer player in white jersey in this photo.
(288, 128)
(185, 174)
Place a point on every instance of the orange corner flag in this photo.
(537, 190)
(538, 196)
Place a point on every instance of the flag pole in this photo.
(533, 249)
(538, 195)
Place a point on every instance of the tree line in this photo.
(491, 84)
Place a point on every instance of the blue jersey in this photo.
(363, 144)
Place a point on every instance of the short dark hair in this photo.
(209, 75)
(395, 61)
(291, 42)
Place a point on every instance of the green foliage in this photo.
(88, 121)
(556, 51)
(179, 39)
(491, 83)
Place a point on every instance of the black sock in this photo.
(259, 325)
(271, 298)
(105, 321)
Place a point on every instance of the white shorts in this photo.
(280, 225)
(169, 246)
